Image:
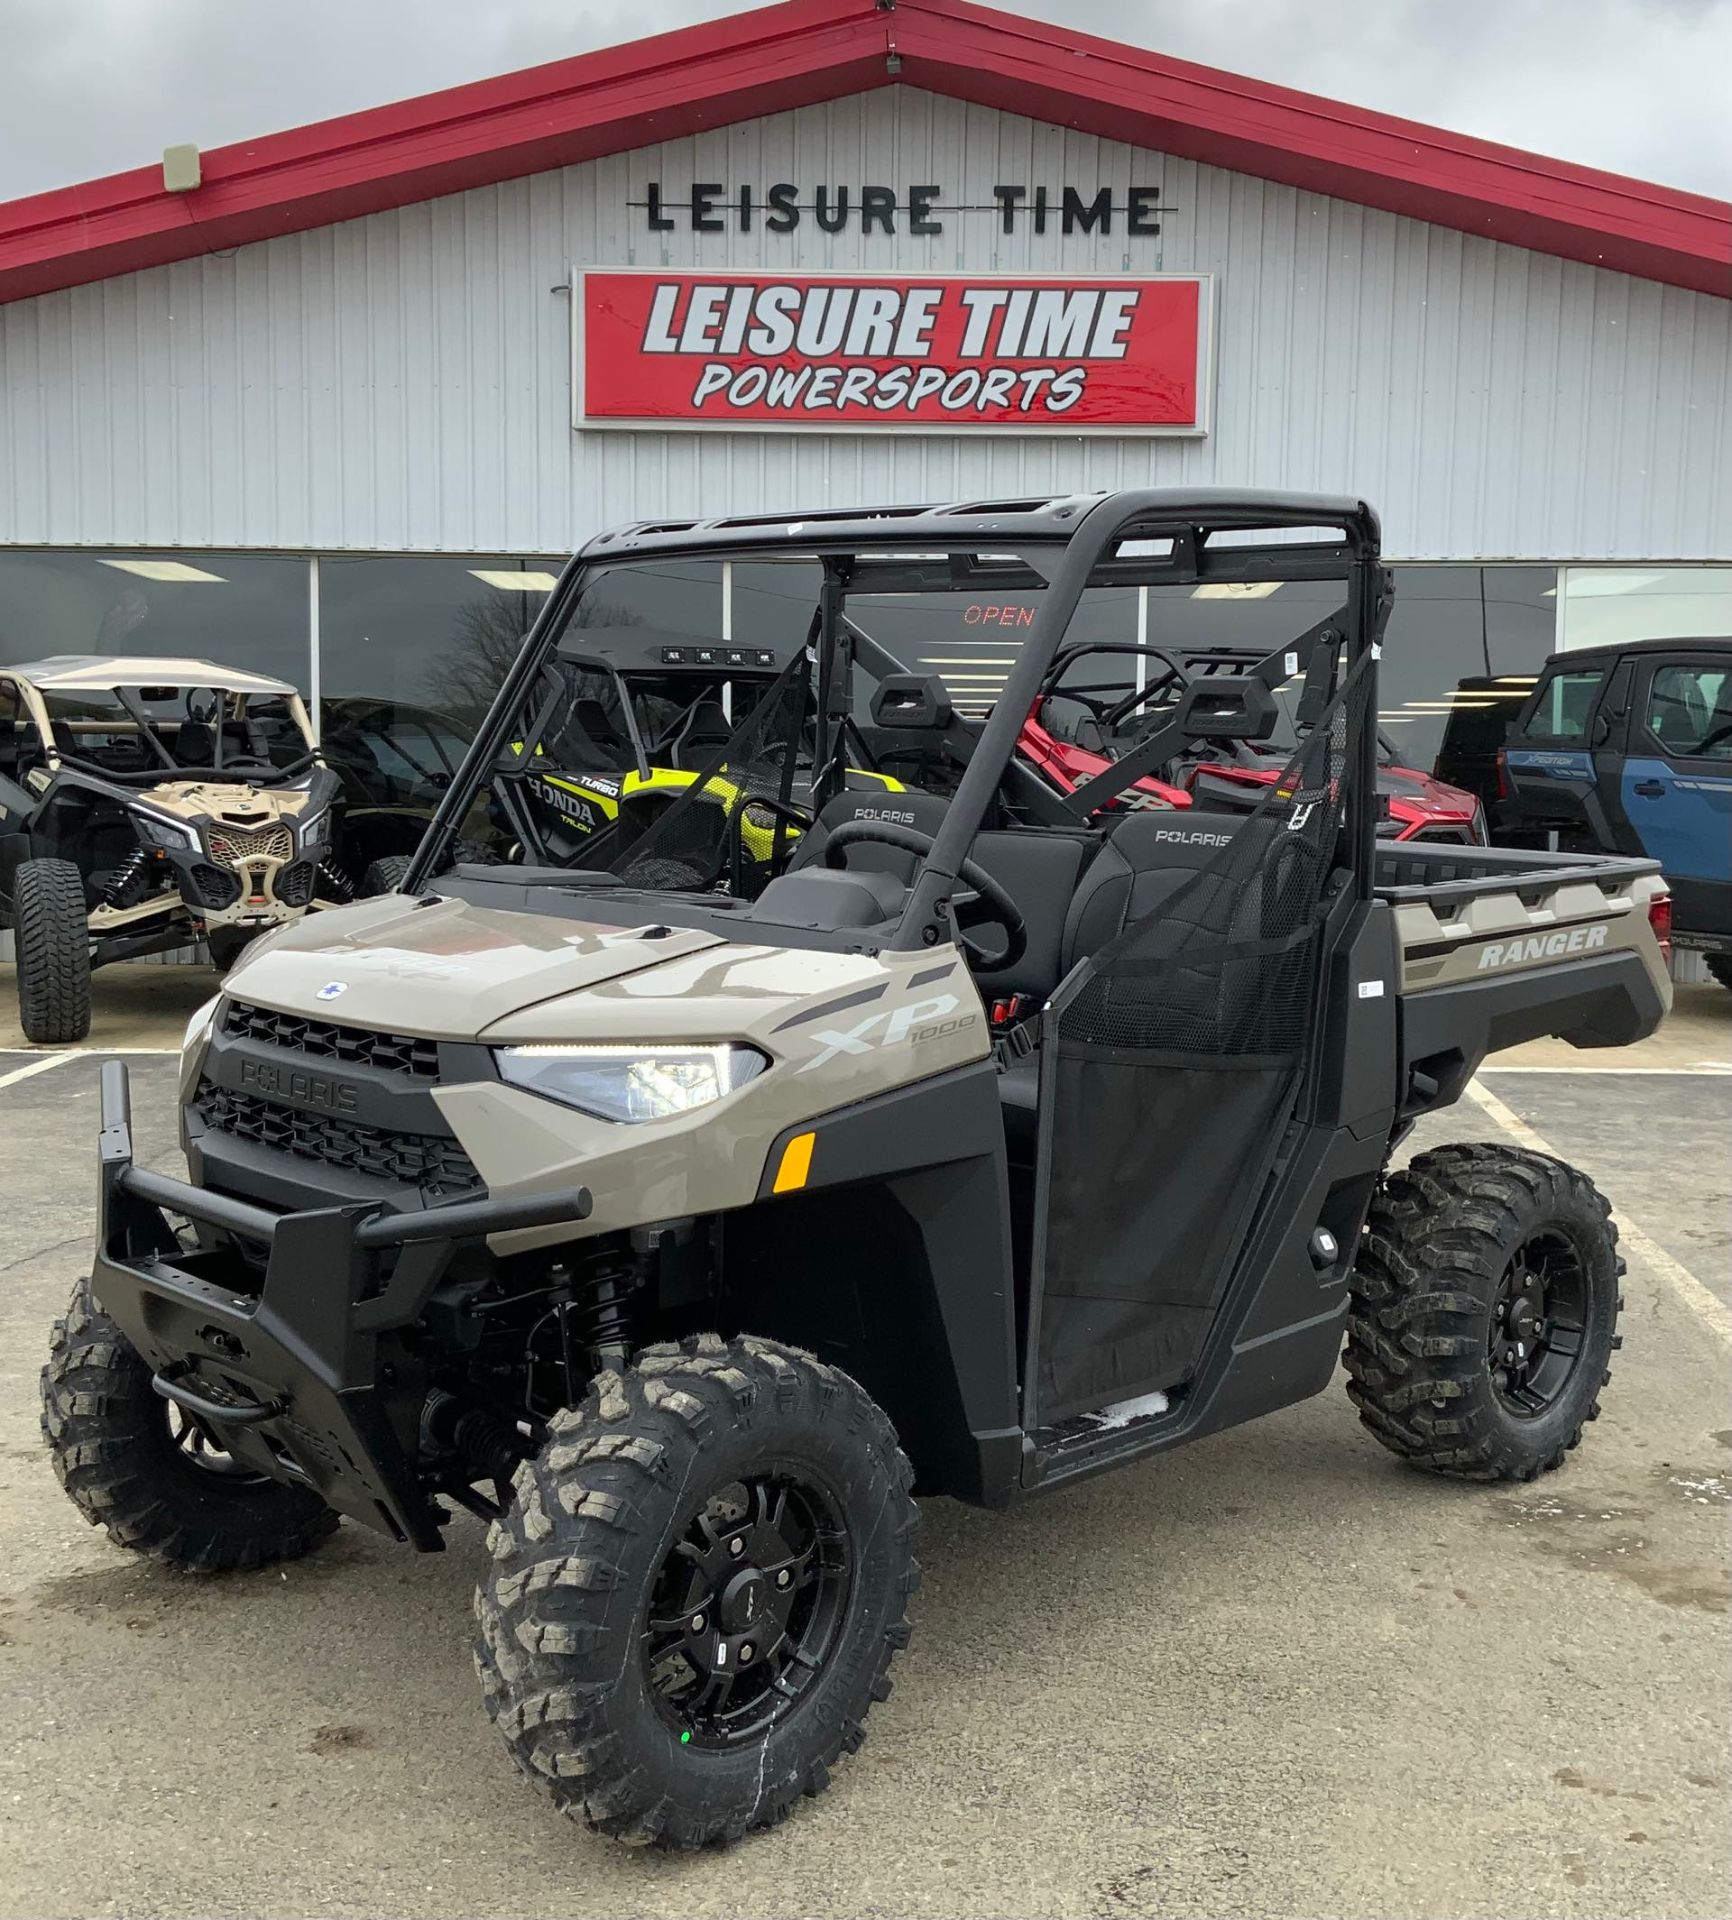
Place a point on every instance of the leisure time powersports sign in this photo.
(942, 353)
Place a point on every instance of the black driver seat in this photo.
(924, 812)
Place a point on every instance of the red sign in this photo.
(938, 353)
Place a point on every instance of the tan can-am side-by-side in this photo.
(967, 1141)
(144, 804)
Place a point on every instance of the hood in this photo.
(1423, 791)
(235, 803)
(446, 971)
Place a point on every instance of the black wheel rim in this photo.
(746, 1609)
(199, 1452)
(1538, 1324)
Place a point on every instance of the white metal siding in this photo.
(401, 382)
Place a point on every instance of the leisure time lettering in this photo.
(724, 324)
(711, 207)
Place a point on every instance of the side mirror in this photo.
(1216, 708)
(1602, 730)
(911, 703)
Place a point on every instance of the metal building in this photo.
(338, 407)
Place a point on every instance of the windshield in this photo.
(169, 733)
(701, 729)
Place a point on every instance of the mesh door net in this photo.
(1169, 1064)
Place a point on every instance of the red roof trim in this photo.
(804, 51)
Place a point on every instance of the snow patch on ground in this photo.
(1123, 1412)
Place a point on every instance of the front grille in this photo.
(438, 1167)
(324, 1040)
(235, 844)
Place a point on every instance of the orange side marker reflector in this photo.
(796, 1164)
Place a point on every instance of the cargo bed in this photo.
(1498, 945)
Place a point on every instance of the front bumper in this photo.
(283, 1332)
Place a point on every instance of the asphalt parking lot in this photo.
(1272, 1674)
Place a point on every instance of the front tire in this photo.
(136, 1466)
(51, 927)
(697, 1593)
(226, 947)
(1484, 1312)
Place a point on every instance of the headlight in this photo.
(172, 835)
(199, 1025)
(315, 832)
(631, 1082)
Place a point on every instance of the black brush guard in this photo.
(302, 1375)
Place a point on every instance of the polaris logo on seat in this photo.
(1542, 946)
(1197, 837)
(884, 813)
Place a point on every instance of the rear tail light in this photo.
(1503, 792)
(1660, 919)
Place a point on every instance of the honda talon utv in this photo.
(628, 724)
(145, 804)
(970, 1142)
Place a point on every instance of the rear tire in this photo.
(152, 1479)
(51, 927)
(384, 875)
(711, 1497)
(1720, 966)
(1484, 1312)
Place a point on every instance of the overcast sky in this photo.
(92, 86)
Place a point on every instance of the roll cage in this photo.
(58, 735)
(1060, 547)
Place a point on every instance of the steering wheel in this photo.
(986, 905)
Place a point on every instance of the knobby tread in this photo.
(108, 1435)
(384, 875)
(51, 928)
(1438, 1239)
(573, 1559)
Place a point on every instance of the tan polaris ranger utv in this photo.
(979, 1142)
(145, 804)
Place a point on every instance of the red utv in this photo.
(1101, 698)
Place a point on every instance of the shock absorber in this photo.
(483, 1443)
(127, 884)
(334, 882)
(607, 1305)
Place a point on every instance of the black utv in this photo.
(969, 1142)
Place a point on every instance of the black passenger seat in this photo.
(1147, 859)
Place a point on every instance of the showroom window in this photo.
(1610, 605)
(238, 609)
(433, 635)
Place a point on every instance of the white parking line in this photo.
(1691, 1293)
(36, 1066)
(1698, 1069)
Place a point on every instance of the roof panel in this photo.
(774, 58)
